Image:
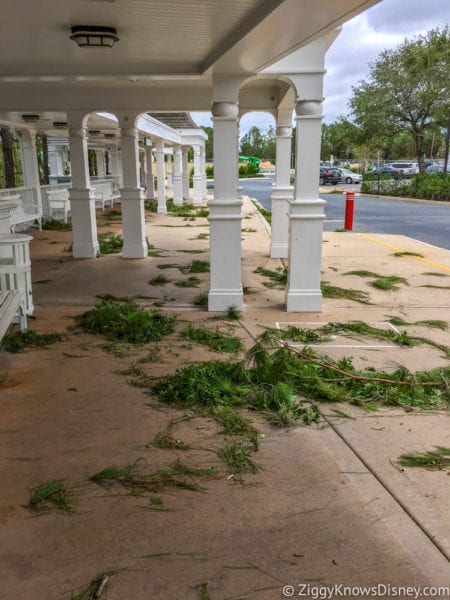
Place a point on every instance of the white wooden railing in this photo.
(27, 208)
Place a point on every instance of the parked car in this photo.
(406, 168)
(329, 176)
(385, 171)
(435, 169)
(348, 176)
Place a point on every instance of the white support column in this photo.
(161, 191)
(114, 166)
(177, 176)
(306, 214)
(150, 181)
(31, 167)
(132, 196)
(185, 173)
(101, 166)
(169, 171)
(82, 203)
(282, 193)
(56, 161)
(203, 167)
(197, 179)
(225, 213)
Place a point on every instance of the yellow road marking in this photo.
(421, 258)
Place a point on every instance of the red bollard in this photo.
(349, 204)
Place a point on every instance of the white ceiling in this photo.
(169, 55)
(156, 36)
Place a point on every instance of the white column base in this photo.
(133, 223)
(150, 192)
(221, 300)
(279, 246)
(303, 292)
(84, 225)
(304, 301)
(198, 195)
(178, 190)
(225, 250)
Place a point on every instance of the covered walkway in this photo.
(329, 504)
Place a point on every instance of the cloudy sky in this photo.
(385, 25)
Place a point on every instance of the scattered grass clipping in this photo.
(110, 243)
(386, 283)
(95, 588)
(214, 340)
(54, 225)
(159, 280)
(165, 439)
(236, 456)
(405, 253)
(432, 459)
(21, 340)
(126, 322)
(131, 477)
(49, 496)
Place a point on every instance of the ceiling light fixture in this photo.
(59, 124)
(30, 118)
(92, 36)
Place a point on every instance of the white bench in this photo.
(23, 211)
(57, 204)
(12, 307)
(106, 193)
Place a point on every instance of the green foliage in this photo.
(159, 280)
(380, 282)
(338, 139)
(196, 266)
(249, 171)
(432, 459)
(54, 225)
(259, 143)
(265, 213)
(151, 205)
(201, 299)
(273, 377)
(165, 439)
(333, 291)
(52, 495)
(213, 340)
(126, 322)
(189, 282)
(277, 278)
(433, 323)
(132, 478)
(407, 90)
(427, 186)
(139, 377)
(237, 457)
(21, 340)
(110, 243)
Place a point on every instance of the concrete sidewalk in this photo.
(331, 504)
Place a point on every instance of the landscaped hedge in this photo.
(429, 186)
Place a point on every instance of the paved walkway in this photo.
(331, 506)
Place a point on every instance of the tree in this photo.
(407, 91)
(252, 143)
(8, 157)
(338, 139)
(209, 143)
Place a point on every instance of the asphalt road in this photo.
(427, 222)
